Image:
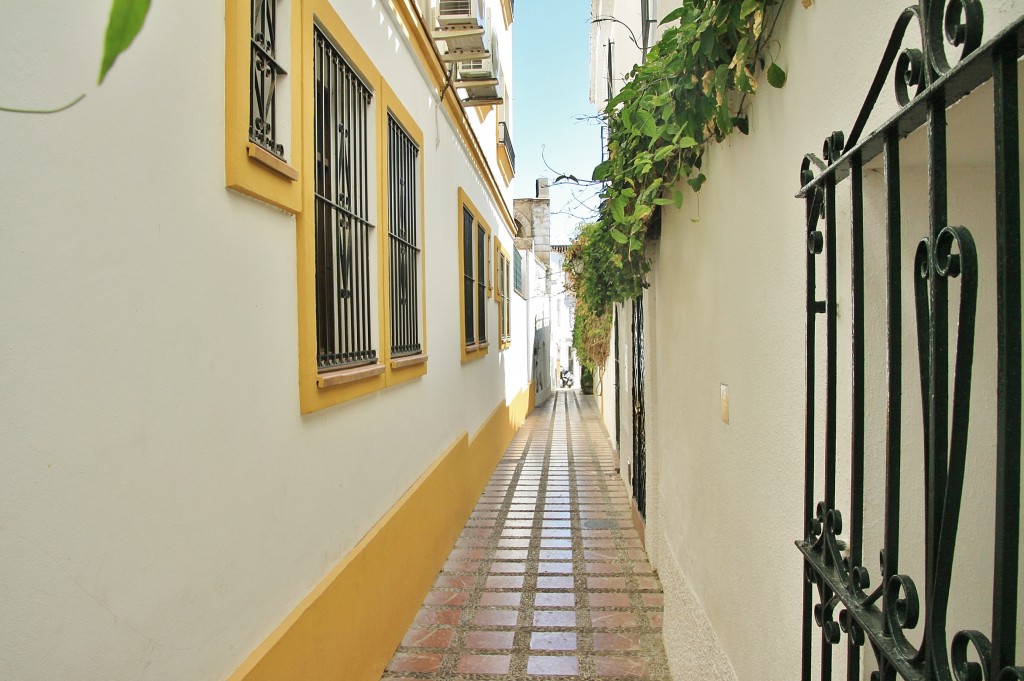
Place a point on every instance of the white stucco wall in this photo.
(725, 500)
(163, 504)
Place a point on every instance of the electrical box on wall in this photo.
(725, 404)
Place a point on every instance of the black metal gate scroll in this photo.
(844, 596)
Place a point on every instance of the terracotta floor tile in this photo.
(499, 598)
(554, 568)
(553, 640)
(446, 598)
(428, 638)
(553, 666)
(484, 664)
(504, 583)
(609, 600)
(554, 618)
(556, 543)
(616, 641)
(546, 583)
(489, 639)
(439, 617)
(455, 582)
(462, 566)
(610, 619)
(554, 600)
(415, 662)
(620, 666)
(496, 618)
(606, 583)
(511, 554)
(501, 566)
(555, 554)
(604, 568)
(653, 600)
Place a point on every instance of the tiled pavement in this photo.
(549, 579)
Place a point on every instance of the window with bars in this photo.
(403, 233)
(481, 284)
(266, 71)
(344, 231)
(518, 281)
(503, 300)
(476, 260)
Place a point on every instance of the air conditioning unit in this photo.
(460, 13)
(481, 69)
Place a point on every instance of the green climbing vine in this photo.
(689, 93)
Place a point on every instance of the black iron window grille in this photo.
(403, 232)
(481, 284)
(468, 280)
(266, 71)
(344, 233)
(504, 302)
(517, 273)
(880, 611)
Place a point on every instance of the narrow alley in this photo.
(549, 578)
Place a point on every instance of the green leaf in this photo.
(687, 143)
(696, 182)
(776, 76)
(673, 15)
(663, 202)
(618, 236)
(126, 19)
(677, 198)
(663, 153)
(634, 244)
(618, 208)
(645, 123)
(602, 170)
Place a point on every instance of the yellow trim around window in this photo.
(319, 390)
(506, 11)
(247, 170)
(403, 368)
(474, 351)
(502, 279)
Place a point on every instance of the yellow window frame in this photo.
(318, 390)
(248, 168)
(478, 349)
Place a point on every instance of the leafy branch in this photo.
(126, 20)
(688, 94)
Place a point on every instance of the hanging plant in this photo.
(689, 93)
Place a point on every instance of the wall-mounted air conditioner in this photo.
(481, 69)
(460, 12)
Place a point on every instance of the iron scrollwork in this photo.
(882, 617)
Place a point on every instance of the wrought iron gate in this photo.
(880, 612)
(639, 432)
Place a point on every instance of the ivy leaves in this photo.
(684, 97)
(126, 19)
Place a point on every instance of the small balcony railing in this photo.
(505, 140)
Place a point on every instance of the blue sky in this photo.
(551, 89)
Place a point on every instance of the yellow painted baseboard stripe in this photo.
(349, 626)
